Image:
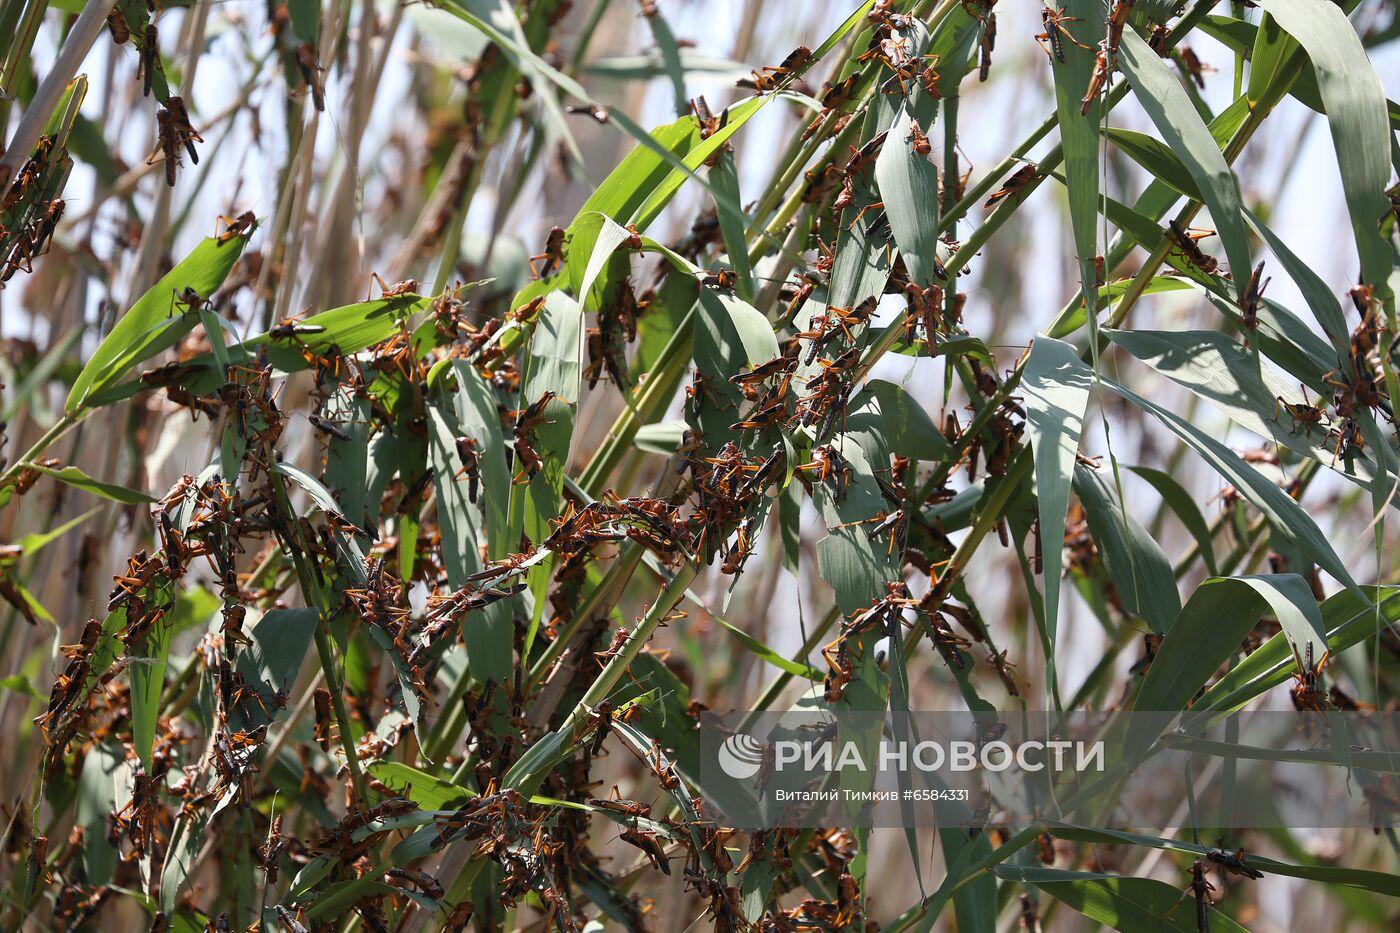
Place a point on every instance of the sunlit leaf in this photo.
(72, 476)
(158, 319)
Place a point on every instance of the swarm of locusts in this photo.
(240, 531)
(31, 209)
(382, 663)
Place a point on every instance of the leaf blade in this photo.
(1056, 386)
(1358, 117)
(1174, 115)
(150, 325)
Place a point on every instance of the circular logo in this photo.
(741, 756)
